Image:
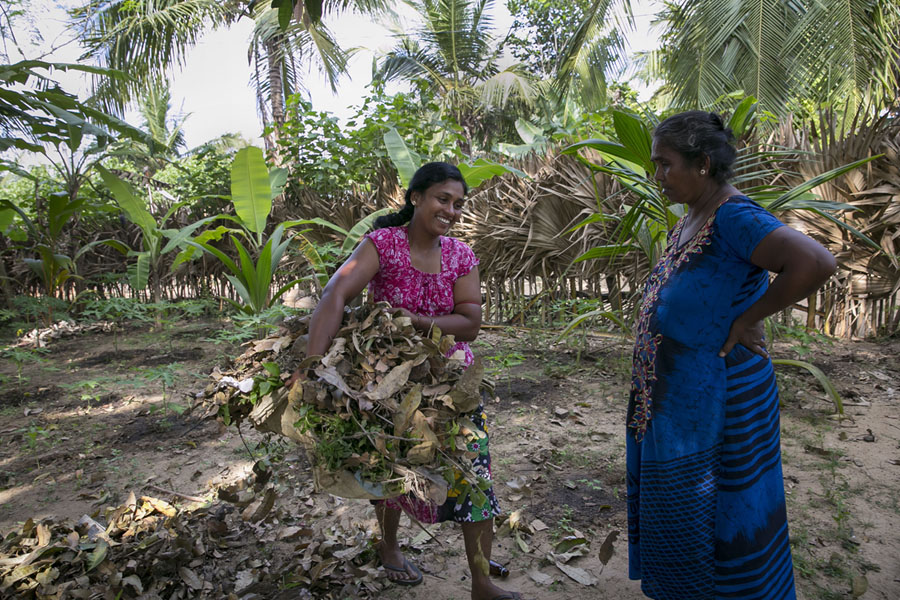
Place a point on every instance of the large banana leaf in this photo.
(251, 191)
(360, 229)
(407, 161)
(483, 169)
(133, 207)
(139, 271)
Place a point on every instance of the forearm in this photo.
(462, 327)
(324, 323)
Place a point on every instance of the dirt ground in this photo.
(101, 415)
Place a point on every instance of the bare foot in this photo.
(397, 567)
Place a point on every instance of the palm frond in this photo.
(142, 37)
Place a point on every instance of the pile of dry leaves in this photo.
(148, 549)
(385, 413)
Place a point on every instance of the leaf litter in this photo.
(149, 549)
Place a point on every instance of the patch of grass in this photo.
(564, 525)
(576, 456)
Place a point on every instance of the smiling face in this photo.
(681, 181)
(439, 207)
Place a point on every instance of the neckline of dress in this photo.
(409, 253)
(681, 246)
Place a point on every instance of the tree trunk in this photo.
(275, 61)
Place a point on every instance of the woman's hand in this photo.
(751, 336)
(402, 312)
(420, 322)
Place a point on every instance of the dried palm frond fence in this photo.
(862, 298)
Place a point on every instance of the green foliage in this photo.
(541, 29)
(33, 309)
(451, 51)
(340, 439)
(647, 220)
(791, 55)
(116, 309)
(53, 267)
(166, 375)
(266, 382)
(253, 273)
(201, 178)
(649, 215)
(251, 190)
(820, 377)
(148, 265)
(475, 173)
(20, 356)
(36, 111)
(253, 280)
(34, 434)
(330, 159)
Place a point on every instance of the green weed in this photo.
(20, 356)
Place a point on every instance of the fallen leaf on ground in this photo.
(577, 574)
(606, 548)
(541, 578)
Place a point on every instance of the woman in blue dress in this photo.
(706, 507)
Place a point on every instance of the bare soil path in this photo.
(103, 415)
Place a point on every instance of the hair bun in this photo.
(720, 125)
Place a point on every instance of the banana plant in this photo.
(475, 172)
(253, 188)
(147, 266)
(53, 267)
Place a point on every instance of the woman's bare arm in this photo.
(346, 284)
(465, 320)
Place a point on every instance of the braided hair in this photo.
(426, 176)
(695, 134)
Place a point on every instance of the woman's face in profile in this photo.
(681, 182)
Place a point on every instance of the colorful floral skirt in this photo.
(466, 501)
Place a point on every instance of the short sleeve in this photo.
(742, 225)
(463, 258)
(383, 240)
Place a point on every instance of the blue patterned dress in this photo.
(706, 508)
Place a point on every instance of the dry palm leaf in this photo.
(387, 412)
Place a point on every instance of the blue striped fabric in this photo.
(706, 505)
(712, 524)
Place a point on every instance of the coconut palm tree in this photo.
(454, 51)
(594, 46)
(146, 37)
(164, 129)
(276, 54)
(783, 52)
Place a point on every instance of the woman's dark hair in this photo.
(427, 175)
(695, 134)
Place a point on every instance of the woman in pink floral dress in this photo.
(410, 263)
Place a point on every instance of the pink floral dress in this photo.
(403, 286)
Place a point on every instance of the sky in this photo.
(213, 86)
